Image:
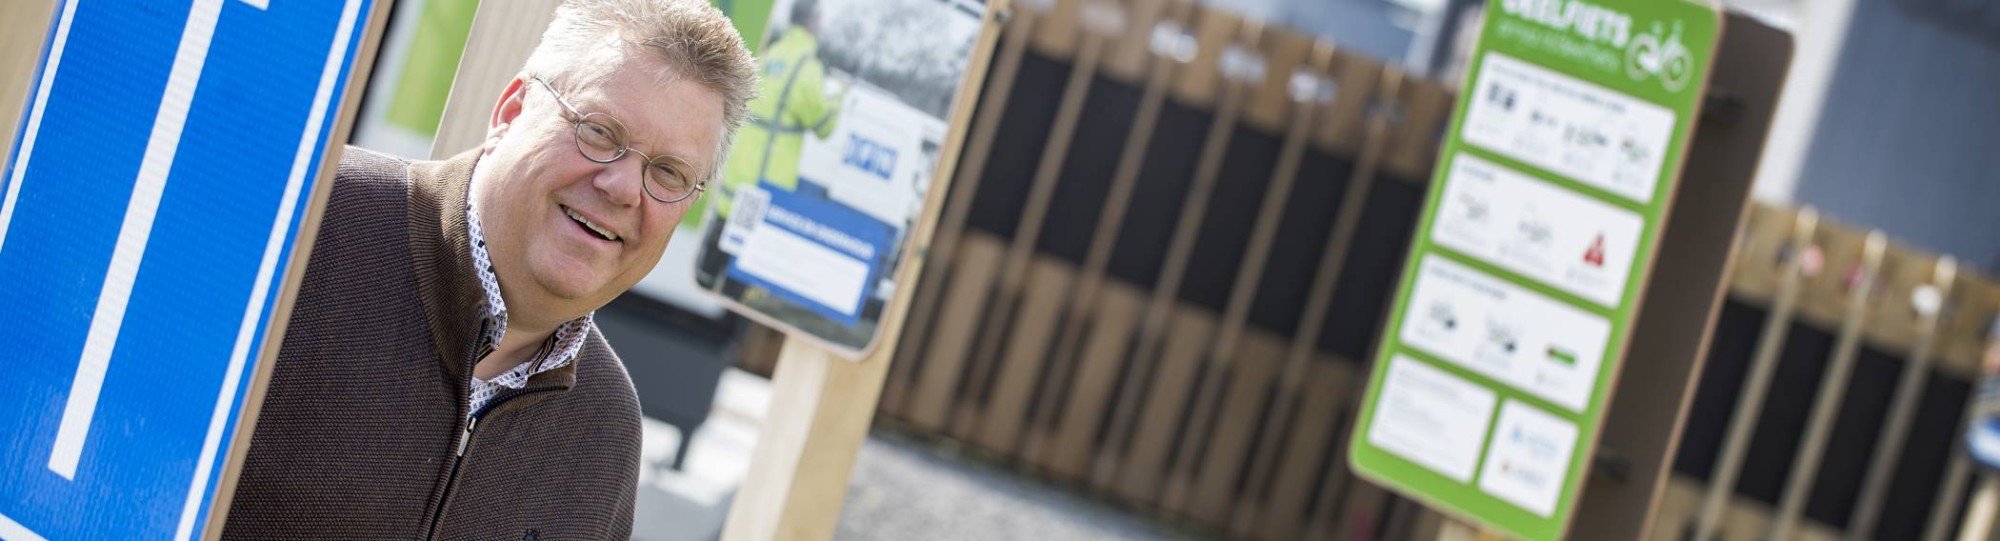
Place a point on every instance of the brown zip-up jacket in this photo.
(363, 432)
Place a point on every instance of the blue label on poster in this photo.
(814, 252)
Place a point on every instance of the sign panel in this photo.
(1516, 304)
(817, 201)
(152, 209)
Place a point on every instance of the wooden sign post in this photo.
(821, 404)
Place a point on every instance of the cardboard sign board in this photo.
(158, 207)
(814, 208)
(1493, 375)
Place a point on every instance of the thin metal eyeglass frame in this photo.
(576, 121)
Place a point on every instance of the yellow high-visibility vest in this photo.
(792, 104)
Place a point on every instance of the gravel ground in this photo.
(902, 489)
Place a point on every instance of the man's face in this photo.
(532, 183)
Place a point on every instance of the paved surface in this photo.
(902, 489)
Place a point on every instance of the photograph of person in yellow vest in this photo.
(807, 219)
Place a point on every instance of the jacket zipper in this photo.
(465, 444)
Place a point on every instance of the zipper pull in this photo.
(466, 437)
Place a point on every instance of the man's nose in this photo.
(622, 181)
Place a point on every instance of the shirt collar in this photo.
(559, 350)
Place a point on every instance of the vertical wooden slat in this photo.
(1746, 519)
(1764, 236)
(1227, 444)
(936, 387)
(1677, 510)
(999, 427)
(1182, 470)
(1025, 363)
(1165, 69)
(1199, 83)
(1356, 79)
(1139, 477)
(1271, 107)
(992, 337)
(1249, 383)
(1944, 506)
(1340, 239)
(1965, 335)
(1823, 299)
(1131, 54)
(1056, 36)
(1076, 434)
(1354, 516)
(1909, 389)
(1298, 356)
(1327, 384)
(1832, 392)
(1181, 248)
(1750, 399)
(941, 250)
(1425, 105)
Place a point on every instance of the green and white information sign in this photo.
(1493, 377)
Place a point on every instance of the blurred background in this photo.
(1015, 411)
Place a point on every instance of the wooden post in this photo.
(26, 25)
(821, 405)
(502, 36)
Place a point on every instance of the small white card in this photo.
(1431, 417)
(1527, 463)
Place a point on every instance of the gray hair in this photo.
(693, 39)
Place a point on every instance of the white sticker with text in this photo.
(1595, 135)
(1503, 331)
(1559, 237)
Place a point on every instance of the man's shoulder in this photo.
(370, 191)
(361, 168)
(602, 375)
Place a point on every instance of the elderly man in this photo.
(441, 377)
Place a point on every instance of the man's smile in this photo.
(589, 226)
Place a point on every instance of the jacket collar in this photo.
(455, 305)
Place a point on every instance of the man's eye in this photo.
(668, 177)
(596, 135)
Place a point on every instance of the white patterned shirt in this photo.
(556, 352)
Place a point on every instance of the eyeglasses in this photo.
(601, 139)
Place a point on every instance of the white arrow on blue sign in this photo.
(150, 211)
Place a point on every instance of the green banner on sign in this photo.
(1492, 378)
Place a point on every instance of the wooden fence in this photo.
(1167, 258)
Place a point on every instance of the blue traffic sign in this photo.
(151, 208)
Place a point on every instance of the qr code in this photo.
(744, 214)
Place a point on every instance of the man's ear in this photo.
(505, 112)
